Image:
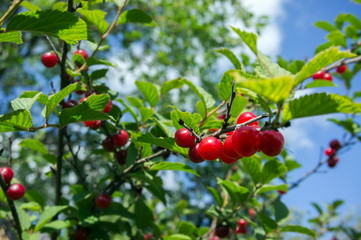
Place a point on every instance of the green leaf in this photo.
(168, 143)
(268, 188)
(24, 218)
(266, 69)
(187, 228)
(58, 225)
(191, 120)
(144, 216)
(320, 83)
(146, 113)
(136, 16)
(149, 91)
(96, 17)
(56, 98)
(250, 39)
(135, 102)
(64, 25)
(299, 229)
(347, 17)
(267, 223)
(26, 102)
(253, 167)
(30, 6)
(18, 120)
(174, 166)
(172, 84)
(128, 109)
(34, 145)
(239, 103)
(216, 195)
(337, 38)
(42, 98)
(357, 1)
(204, 96)
(272, 169)
(34, 196)
(348, 124)
(230, 55)
(291, 165)
(237, 193)
(177, 237)
(94, 61)
(317, 207)
(325, 26)
(281, 211)
(164, 126)
(14, 37)
(97, 74)
(321, 60)
(47, 215)
(318, 104)
(97, 101)
(276, 89)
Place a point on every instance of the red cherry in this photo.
(241, 230)
(49, 59)
(335, 144)
(222, 231)
(341, 69)
(210, 148)
(214, 238)
(329, 152)
(331, 162)
(81, 234)
(108, 144)
(121, 138)
(193, 154)
(281, 192)
(184, 138)
(318, 75)
(148, 236)
(327, 76)
(246, 141)
(229, 150)
(246, 116)
(70, 104)
(83, 99)
(7, 174)
(15, 191)
(242, 222)
(108, 107)
(271, 142)
(82, 52)
(93, 124)
(79, 92)
(103, 201)
(252, 213)
(221, 117)
(121, 156)
(226, 159)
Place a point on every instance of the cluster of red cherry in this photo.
(331, 152)
(50, 59)
(14, 191)
(328, 76)
(243, 142)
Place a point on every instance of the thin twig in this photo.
(14, 6)
(342, 62)
(182, 123)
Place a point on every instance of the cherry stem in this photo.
(12, 208)
(182, 123)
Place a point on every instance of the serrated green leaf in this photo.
(237, 193)
(191, 120)
(162, 124)
(348, 124)
(276, 89)
(325, 26)
(128, 109)
(204, 96)
(56, 98)
(14, 37)
(320, 61)
(168, 143)
(149, 91)
(298, 229)
(136, 16)
(97, 101)
(250, 39)
(323, 47)
(320, 83)
(24, 102)
(58, 224)
(146, 113)
(230, 55)
(47, 215)
(217, 197)
(97, 74)
(265, 68)
(135, 102)
(18, 120)
(34, 145)
(272, 169)
(177, 236)
(337, 38)
(96, 17)
(267, 223)
(172, 84)
(252, 166)
(280, 209)
(318, 104)
(64, 25)
(174, 166)
(268, 188)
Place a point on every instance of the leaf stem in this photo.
(14, 6)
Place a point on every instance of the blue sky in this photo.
(293, 36)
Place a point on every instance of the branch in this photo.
(14, 6)
(342, 62)
(182, 123)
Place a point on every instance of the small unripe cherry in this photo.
(335, 144)
(246, 141)
(271, 143)
(7, 174)
(82, 53)
(121, 138)
(329, 152)
(15, 191)
(108, 144)
(210, 148)
(341, 69)
(184, 138)
(246, 116)
(193, 154)
(49, 59)
(103, 201)
(222, 231)
(108, 107)
(121, 156)
(332, 161)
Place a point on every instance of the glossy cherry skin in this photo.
(108, 144)
(82, 52)
(242, 222)
(93, 124)
(7, 174)
(49, 59)
(335, 144)
(193, 154)
(318, 75)
(70, 104)
(148, 236)
(327, 76)
(83, 99)
(246, 141)
(226, 159)
(108, 107)
(121, 138)
(103, 201)
(222, 231)
(281, 192)
(332, 162)
(246, 116)
(210, 148)
(81, 234)
(252, 213)
(271, 143)
(229, 150)
(329, 152)
(15, 191)
(341, 69)
(241, 230)
(184, 138)
(121, 156)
